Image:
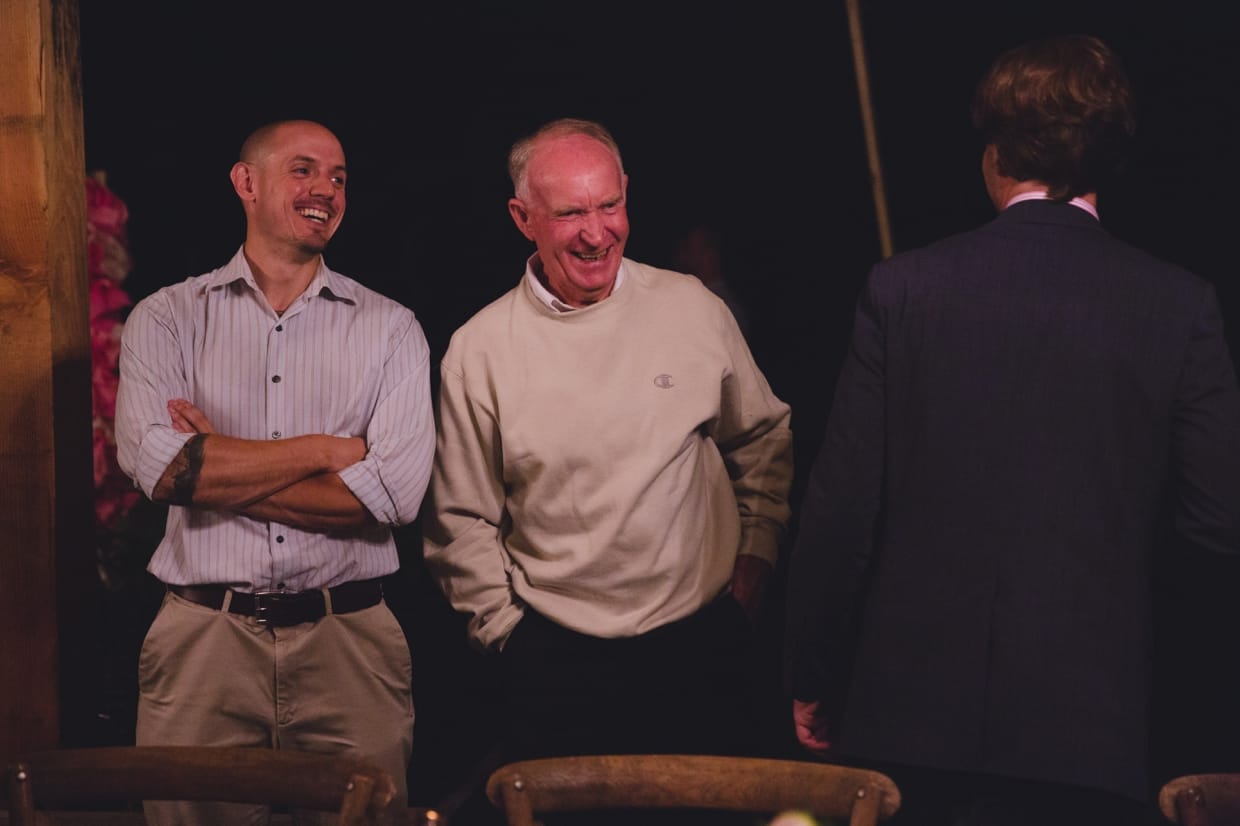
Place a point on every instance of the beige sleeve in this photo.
(463, 547)
(754, 436)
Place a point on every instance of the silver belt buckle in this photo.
(263, 600)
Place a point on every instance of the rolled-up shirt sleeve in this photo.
(391, 480)
(151, 373)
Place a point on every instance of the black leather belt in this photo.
(284, 608)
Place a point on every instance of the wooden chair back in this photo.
(1201, 800)
(673, 781)
(359, 793)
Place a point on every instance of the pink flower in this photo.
(108, 263)
(106, 298)
(115, 502)
(100, 451)
(103, 392)
(107, 256)
(105, 212)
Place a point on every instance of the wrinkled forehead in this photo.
(574, 153)
(565, 167)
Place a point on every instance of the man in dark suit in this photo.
(1020, 407)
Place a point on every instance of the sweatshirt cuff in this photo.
(760, 538)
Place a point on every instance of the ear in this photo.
(990, 159)
(520, 216)
(997, 186)
(242, 175)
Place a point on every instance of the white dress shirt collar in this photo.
(547, 297)
(1040, 195)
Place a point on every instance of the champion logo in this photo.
(663, 381)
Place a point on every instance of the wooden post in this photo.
(46, 523)
(871, 133)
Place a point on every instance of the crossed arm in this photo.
(292, 481)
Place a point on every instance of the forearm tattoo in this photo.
(186, 468)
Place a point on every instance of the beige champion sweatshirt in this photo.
(606, 465)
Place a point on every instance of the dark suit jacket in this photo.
(1019, 407)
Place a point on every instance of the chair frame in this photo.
(1201, 799)
(680, 781)
(67, 778)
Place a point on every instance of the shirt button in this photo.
(275, 379)
(275, 434)
(279, 328)
(280, 539)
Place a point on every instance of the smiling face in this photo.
(291, 180)
(574, 212)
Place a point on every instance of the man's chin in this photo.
(312, 247)
(595, 279)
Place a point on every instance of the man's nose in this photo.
(593, 228)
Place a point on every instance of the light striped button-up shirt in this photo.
(341, 360)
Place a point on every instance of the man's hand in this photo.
(188, 419)
(749, 577)
(810, 722)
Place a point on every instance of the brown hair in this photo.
(1059, 111)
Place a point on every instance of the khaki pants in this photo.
(340, 685)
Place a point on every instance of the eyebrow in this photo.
(309, 159)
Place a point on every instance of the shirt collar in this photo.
(325, 281)
(1040, 195)
(547, 297)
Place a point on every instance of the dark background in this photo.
(745, 117)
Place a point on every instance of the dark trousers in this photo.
(684, 688)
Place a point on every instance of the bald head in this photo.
(263, 140)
